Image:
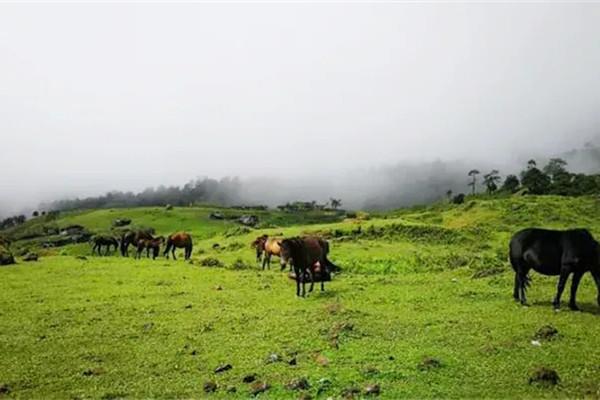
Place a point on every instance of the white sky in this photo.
(95, 97)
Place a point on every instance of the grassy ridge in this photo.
(430, 282)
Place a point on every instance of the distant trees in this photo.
(473, 174)
(491, 181)
(12, 221)
(553, 178)
(35, 214)
(449, 194)
(224, 192)
(335, 203)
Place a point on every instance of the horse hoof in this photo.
(574, 307)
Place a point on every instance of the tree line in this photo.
(553, 178)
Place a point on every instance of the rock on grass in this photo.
(372, 390)
(210, 387)
(298, 384)
(544, 376)
(429, 363)
(223, 368)
(249, 378)
(546, 332)
(259, 387)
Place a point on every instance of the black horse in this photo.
(104, 240)
(552, 252)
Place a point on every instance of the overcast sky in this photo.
(96, 97)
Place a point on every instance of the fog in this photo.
(379, 104)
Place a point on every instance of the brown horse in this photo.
(269, 246)
(307, 255)
(150, 244)
(132, 238)
(179, 240)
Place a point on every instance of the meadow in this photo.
(423, 308)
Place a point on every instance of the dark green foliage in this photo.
(511, 184)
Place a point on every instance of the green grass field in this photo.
(430, 283)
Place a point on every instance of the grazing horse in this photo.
(132, 238)
(306, 255)
(104, 240)
(150, 244)
(269, 246)
(552, 252)
(179, 240)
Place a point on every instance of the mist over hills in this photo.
(383, 187)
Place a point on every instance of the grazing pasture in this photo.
(423, 308)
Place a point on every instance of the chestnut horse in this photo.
(132, 238)
(150, 244)
(307, 255)
(179, 240)
(268, 246)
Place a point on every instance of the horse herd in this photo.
(549, 252)
(143, 240)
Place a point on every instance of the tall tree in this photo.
(491, 181)
(473, 174)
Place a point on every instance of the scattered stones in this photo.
(30, 257)
(298, 384)
(210, 387)
(249, 378)
(259, 387)
(429, 363)
(546, 332)
(536, 343)
(223, 368)
(372, 390)
(544, 376)
(216, 215)
(350, 393)
(218, 288)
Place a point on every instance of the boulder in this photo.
(119, 222)
(248, 220)
(216, 215)
(30, 257)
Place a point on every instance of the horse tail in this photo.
(331, 267)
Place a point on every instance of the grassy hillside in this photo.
(423, 308)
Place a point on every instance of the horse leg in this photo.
(269, 261)
(312, 279)
(297, 273)
(264, 261)
(522, 282)
(516, 289)
(574, 285)
(173, 253)
(562, 280)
